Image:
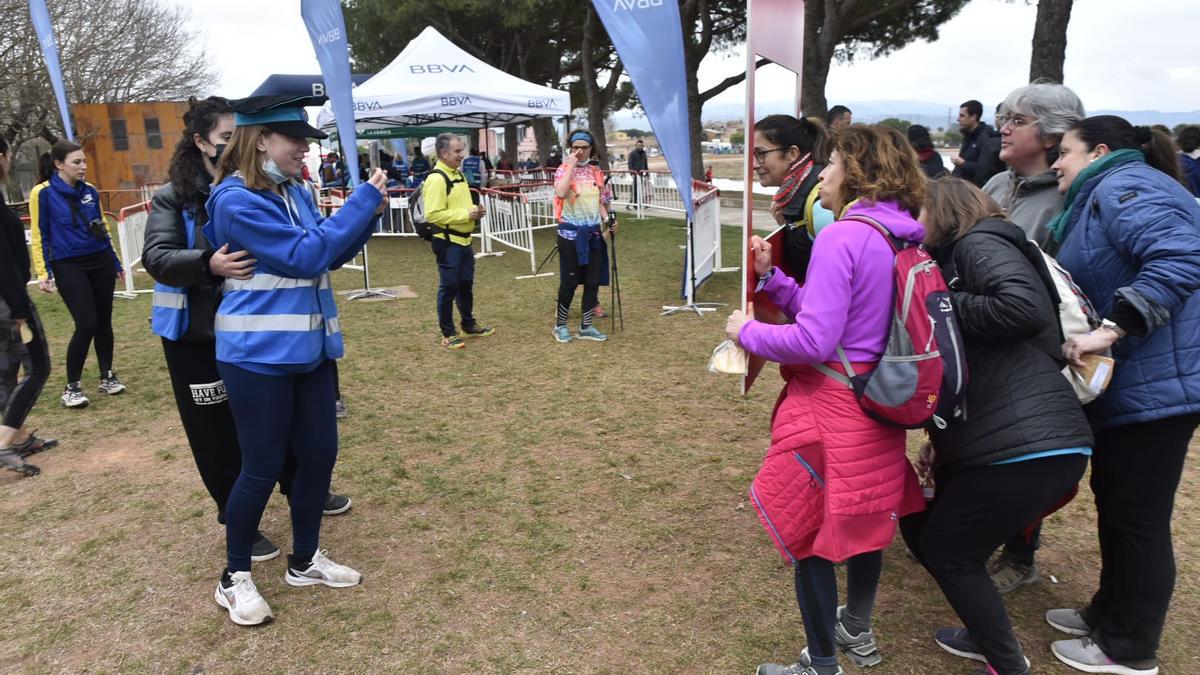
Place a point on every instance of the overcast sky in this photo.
(1120, 55)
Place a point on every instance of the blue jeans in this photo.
(276, 414)
(456, 279)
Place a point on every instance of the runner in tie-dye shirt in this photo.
(581, 200)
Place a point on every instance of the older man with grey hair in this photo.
(1032, 121)
(452, 215)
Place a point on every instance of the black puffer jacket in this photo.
(1017, 400)
(14, 262)
(168, 259)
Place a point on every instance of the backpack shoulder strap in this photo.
(892, 240)
(445, 179)
(810, 203)
(835, 375)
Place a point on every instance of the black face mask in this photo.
(220, 147)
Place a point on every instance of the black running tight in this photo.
(86, 284)
(571, 274)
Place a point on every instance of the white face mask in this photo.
(272, 170)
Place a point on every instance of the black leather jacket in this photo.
(168, 259)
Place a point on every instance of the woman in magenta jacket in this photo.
(834, 481)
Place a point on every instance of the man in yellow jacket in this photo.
(449, 209)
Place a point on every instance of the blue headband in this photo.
(581, 136)
(268, 116)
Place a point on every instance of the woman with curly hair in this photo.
(832, 492)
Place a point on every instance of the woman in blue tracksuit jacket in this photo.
(1130, 237)
(277, 334)
(74, 255)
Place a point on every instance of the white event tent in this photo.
(434, 86)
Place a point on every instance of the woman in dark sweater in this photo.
(1022, 442)
(18, 315)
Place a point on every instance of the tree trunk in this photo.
(510, 142)
(695, 125)
(1050, 40)
(596, 100)
(822, 32)
(543, 133)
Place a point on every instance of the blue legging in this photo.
(275, 414)
(817, 594)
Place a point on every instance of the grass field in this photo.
(520, 506)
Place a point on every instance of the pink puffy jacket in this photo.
(834, 482)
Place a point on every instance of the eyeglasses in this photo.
(760, 154)
(1017, 121)
(581, 147)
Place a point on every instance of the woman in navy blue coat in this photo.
(1130, 237)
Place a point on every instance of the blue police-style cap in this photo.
(280, 113)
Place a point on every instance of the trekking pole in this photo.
(615, 282)
(545, 260)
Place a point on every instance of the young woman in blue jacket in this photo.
(189, 273)
(1130, 237)
(74, 255)
(277, 334)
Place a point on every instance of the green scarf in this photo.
(1058, 226)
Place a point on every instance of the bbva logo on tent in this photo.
(629, 5)
(437, 68)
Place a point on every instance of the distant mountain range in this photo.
(932, 115)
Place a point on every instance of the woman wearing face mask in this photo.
(834, 480)
(581, 200)
(189, 273)
(74, 254)
(788, 154)
(276, 336)
(1130, 237)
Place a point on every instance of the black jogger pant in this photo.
(86, 284)
(1135, 473)
(974, 511)
(20, 394)
(208, 421)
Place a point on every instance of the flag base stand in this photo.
(698, 307)
(367, 291)
(691, 305)
(371, 293)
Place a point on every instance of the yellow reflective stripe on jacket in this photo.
(35, 232)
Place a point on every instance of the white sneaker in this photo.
(73, 396)
(323, 571)
(109, 384)
(246, 607)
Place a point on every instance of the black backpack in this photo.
(425, 230)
